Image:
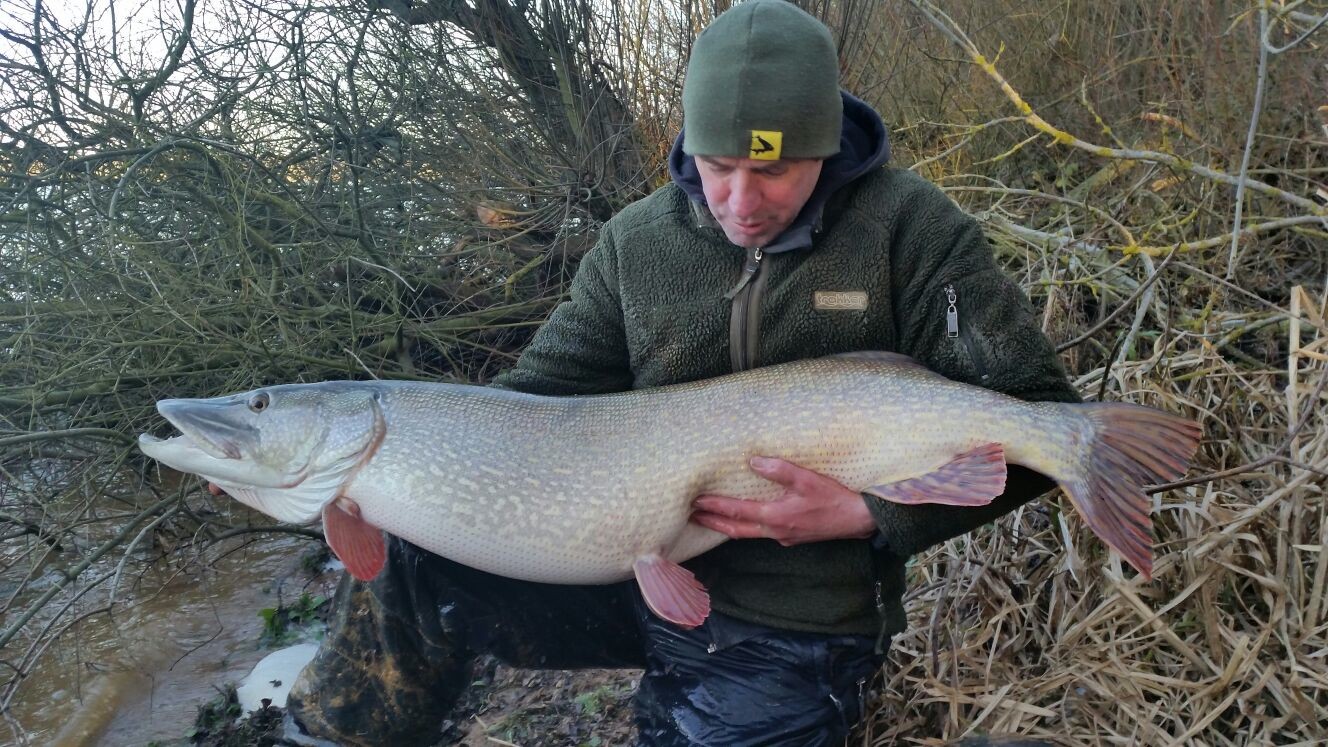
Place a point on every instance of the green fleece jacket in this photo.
(648, 308)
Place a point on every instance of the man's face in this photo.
(754, 201)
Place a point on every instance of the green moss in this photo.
(282, 624)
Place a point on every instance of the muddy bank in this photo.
(165, 672)
(546, 707)
(138, 674)
(503, 706)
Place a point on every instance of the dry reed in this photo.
(1030, 627)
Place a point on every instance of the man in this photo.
(781, 237)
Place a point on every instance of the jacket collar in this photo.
(863, 145)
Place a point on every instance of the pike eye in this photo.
(259, 402)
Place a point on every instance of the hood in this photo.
(863, 145)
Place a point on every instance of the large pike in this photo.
(596, 489)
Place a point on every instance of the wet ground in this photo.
(506, 706)
(163, 670)
(503, 707)
(138, 675)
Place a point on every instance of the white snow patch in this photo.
(272, 677)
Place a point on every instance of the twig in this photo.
(274, 529)
(947, 27)
(1316, 24)
(66, 433)
(1261, 79)
(69, 576)
(1277, 455)
(129, 549)
(1127, 343)
(1144, 286)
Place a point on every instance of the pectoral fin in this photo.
(671, 591)
(355, 541)
(973, 478)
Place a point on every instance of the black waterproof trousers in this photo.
(400, 650)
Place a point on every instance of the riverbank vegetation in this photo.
(196, 199)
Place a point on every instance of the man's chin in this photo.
(748, 240)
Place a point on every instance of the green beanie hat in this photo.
(763, 83)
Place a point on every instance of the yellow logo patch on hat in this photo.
(766, 145)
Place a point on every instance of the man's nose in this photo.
(744, 195)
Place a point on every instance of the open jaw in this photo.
(186, 454)
(255, 485)
(210, 444)
(183, 444)
(205, 425)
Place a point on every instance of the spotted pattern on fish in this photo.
(576, 489)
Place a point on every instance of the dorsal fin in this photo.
(974, 478)
(884, 358)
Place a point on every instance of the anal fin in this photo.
(974, 478)
(671, 591)
(356, 542)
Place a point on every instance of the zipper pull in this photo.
(748, 272)
(881, 638)
(951, 312)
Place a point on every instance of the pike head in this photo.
(284, 450)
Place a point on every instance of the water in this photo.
(141, 674)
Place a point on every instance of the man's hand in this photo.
(812, 508)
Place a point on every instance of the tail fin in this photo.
(1132, 446)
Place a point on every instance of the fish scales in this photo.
(593, 489)
(614, 475)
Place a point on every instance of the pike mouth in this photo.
(204, 426)
(185, 443)
(217, 442)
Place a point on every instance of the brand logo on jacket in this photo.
(840, 300)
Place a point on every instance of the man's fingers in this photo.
(795, 478)
(775, 470)
(732, 528)
(733, 508)
(215, 489)
(812, 508)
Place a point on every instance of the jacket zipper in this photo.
(744, 324)
(954, 330)
(749, 270)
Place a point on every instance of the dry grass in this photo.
(1031, 627)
